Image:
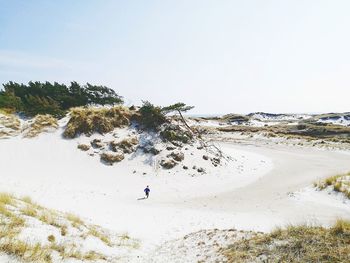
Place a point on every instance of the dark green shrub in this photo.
(47, 98)
(151, 117)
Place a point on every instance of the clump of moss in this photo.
(101, 120)
(41, 123)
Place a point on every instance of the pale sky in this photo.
(220, 56)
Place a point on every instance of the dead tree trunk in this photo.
(184, 121)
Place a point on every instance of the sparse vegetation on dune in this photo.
(100, 120)
(9, 124)
(17, 214)
(304, 131)
(41, 123)
(294, 244)
(338, 183)
(83, 147)
(238, 118)
(126, 145)
(310, 130)
(173, 133)
(111, 158)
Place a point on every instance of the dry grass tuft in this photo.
(70, 251)
(50, 218)
(27, 200)
(64, 230)
(7, 199)
(51, 238)
(9, 124)
(98, 233)
(24, 251)
(340, 183)
(75, 220)
(41, 123)
(111, 158)
(29, 210)
(101, 120)
(126, 145)
(83, 147)
(7, 111)
(341, 226)
(295, 244)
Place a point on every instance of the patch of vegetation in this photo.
(111, 158)
(9, 124)
(339, 183)
(25, 251)
(75, 220)
(168, 163)
(173, 133)
(101, 120)
(295, 244)
(29, 210)
(83, 147)
(47, 98)
(6, 199)
(305, 130)
(16, 214)
(51, 238)
(235, 118)
(40, 124)
(151, 117)
(126, 145)
(49, 217)
(98, 233)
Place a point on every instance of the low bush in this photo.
(151, 117)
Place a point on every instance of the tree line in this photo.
(53, 98)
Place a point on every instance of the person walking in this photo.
(147, 190)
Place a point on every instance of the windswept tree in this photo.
(153, 116)
(179, 108)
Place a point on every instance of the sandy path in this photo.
(270, 196)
